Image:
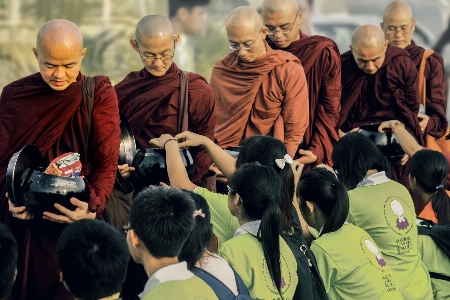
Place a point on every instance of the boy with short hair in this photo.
(8, 261)
(93, 258)
(161, 219)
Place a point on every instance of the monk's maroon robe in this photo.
(436, 103)
(31, 113)
(321, 62)
(150, 104)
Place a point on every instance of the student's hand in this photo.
(159, 142)
(387, 125)
(404, 160)
(125, 170)
(190, 139)
(297, 168)
(307, 157)
(19, 212)
(424, 123)
(81, 212)
(341, 133)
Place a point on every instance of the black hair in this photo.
(200, 236)
(175, 5)
(259, 188)
(162, 218)
(265, 149)
(430, 169)
(354, 155)
(8, 261)
(323, 188)
(93, 257)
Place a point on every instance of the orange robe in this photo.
(268, 96)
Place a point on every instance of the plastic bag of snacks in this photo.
(67, 165)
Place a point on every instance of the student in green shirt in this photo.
(384, 209)
(349, 261)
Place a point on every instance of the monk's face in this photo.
(398, 29)
(156, 53)
(283, 26)
(250, 42)
(369, 59)
(59, 63)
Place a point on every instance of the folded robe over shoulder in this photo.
(150, 104)
(436, 103)
(54, 121)
(391, 93)
(321, 62)
(268, 96)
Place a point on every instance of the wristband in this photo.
(396, 125)
(171, 139)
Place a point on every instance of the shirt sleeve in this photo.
(329, 270)
(224, 223)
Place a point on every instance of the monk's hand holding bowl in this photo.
(424, 123)
(125, 170)
(19, 212)
(307, 157)
(81, 212)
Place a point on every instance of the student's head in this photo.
(265, 150)
(8, 261)
(93, 258)
(428, 172)
(192, 14)
(354, 155)
(254, 192)
(201, 235)
(161, 219)
(323, 200)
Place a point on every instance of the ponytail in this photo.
(339, 211)
(441, 206)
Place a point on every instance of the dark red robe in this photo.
(321, 62)
(389, 94)
(436, 104)
(54, 121)
(150, 105)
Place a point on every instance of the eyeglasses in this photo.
(402, 30)
(270, 32)
(126, 228)
(152, 58)
(236, 48)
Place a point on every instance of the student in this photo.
(161, 219)
(8, 261)
(384, 209)
(194, 250)
(356, 270)
(93, 258)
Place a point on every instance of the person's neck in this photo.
(243, 221)
(153, 264)
(371, 172)
(426, 197)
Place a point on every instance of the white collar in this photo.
(374, 179)
(250, 227)
(177, 271)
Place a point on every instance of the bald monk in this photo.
(322, 65)
(149, 98)
(258, 90)
(398, 27)
(46, 110)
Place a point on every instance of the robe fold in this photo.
(436, 104)
(321, 62)
(54, 121)
(268, 96)
(389, 94)
(150, 105)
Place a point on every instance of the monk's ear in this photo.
(134, 45)
(351, 48)
(299, 17)
(386, 43)
(36, 53)
(264, 32)
(177, 38)
(382, 26)
(83, 52)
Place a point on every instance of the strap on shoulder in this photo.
(422, 79)
(183, 103)
(88, 90)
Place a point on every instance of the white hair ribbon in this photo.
(281, 162)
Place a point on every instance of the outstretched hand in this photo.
(159, 142)
(190, 139)
(81, 212)
(307, 157)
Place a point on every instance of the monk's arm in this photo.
(203, 121)
(295, 109)
(328, 106)
(104, 150)
(436, 103)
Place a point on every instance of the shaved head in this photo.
(369, 48)
(398, 24)
(273, 6)
(61, 32)
(397, 8)
(368, 36)
(154, 26)
(244, 17)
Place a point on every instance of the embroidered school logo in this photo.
(399, 215)
(374, 250)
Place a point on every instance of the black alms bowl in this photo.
(29, 186)
(386, 142)
(127, 143)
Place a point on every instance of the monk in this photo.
(321, 62)
(379, 83)
(149, 98)
(46, 110)
(258, 90)
(398, 27)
